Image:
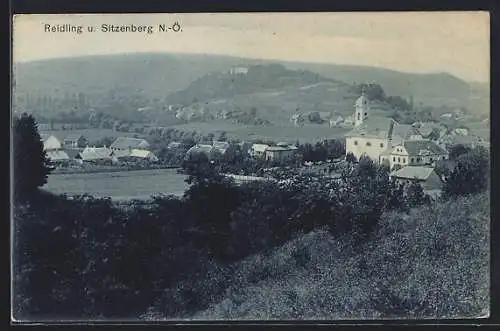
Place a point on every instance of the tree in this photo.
(415, 195)
(457, 150)
(223, 136)
(31, 164)
(314, 117)
(470, 175)
(398, 103)
(350, 157)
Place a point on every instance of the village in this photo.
(411, 151)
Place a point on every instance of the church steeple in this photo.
(362, 108)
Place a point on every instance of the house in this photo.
(128, 143)
(58, 156)
(50, 142)
(425, 176)
(335, 122)
(280, 153)
(95, 154)
(416, 152)
(258, 150)
(238, 70)
(143, 154)
(375, 137)
(74, 141)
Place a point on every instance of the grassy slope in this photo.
(433, 263)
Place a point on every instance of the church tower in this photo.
(362, 108)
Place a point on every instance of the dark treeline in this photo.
(84, 257)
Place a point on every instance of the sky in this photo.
(421, 42)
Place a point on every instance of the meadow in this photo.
(278, 132)
(139, 184)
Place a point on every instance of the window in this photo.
(393, 159)
(418, 159)
(444, 158)
(359, 116)
(381, 145)
(404, 160)
(399, 160)
(355, 142)
(432, 159)
(412, 160)
(366, 114)
(368, 143)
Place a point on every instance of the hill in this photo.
(131, 81)
(258, 78)
(431, 263)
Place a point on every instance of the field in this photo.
(284, 132)
(90, 134)
(140, 184)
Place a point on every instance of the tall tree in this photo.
(31, 164)
(470, 175)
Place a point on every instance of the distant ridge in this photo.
(155, 75)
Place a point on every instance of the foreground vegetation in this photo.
(430, 263)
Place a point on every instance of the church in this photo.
(384, 140)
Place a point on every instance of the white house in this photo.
(95, 154)
(258, 150)
(143, 154)
(238, 70)
(335, 122)
(416, 152)
(280, 153)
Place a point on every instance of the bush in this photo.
(470, 175)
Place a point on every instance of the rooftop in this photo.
(416, 147)
(57, 155)
(95, 153)
(128, 142)
(414, 172)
